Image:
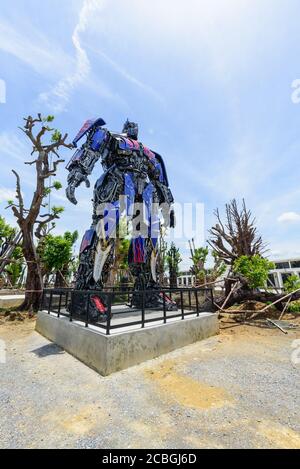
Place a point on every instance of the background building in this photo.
(283, 269)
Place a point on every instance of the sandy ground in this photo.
(236, 390)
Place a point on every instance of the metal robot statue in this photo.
(134, 181)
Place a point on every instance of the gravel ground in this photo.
(237, 390)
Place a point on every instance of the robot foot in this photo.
(97, 308)
(170, 304)
(155, 300)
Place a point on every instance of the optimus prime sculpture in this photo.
(134, 181)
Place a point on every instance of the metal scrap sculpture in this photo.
(135, 182)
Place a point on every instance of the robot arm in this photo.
(166, 202)
(83, 161)
(161, 183)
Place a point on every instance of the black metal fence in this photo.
(189, 301)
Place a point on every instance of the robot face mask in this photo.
(131, 129)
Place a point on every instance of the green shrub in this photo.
(254, 268)
(292, 283)
(294, 307)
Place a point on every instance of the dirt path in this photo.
(237, 390)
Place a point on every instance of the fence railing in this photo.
(189, 301)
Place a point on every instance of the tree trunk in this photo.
(242, 295)
(61, 277)
(173, 278)
(34, 282)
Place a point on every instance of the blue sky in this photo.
(210, 83)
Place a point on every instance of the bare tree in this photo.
(231, 240)
(238, 236)
(30, 220)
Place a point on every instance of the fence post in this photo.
(181, 301)
(143, 309)
(87, 310)
(71, 306)
(212, 298)
(108, 313)
(50, 302)
(66, 299)
(43, 299)
(59, 304)
(197, 302)
(164, 307)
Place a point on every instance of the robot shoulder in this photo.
(125, 143)
(87, 126)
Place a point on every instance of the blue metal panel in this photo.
(163, 169)
(128, 144)
(147, 198)
(111, 218)
(87, 239)
(97, 139)
(161, 174)
(129, 191)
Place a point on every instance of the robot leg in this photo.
(97, 251)
(142, 263)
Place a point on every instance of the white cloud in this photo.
(284, 250)
(14, 151)
(33, 48)
(128, 76)
(13, 146)
(59, 95)
(6, 194)
(289, 217)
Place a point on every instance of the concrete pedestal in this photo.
(107, 354)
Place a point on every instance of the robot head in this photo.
(131, 129)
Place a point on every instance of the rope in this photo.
(33, 291)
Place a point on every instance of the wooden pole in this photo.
(277, 325)
(285, 308)
(280, 299)
(229, 295)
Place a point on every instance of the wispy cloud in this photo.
(6, 194)
(13, 153)
(33, 48)
(58, 97)
(13, 146)
(289, 217)
(128, 76)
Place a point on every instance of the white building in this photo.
(186, 279)
(283, 269)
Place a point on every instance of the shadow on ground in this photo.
(46, 350)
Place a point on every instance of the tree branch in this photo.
(53, 171)
(19, 194)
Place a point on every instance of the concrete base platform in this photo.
(11, 301)
(107, 354)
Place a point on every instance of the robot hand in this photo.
(75, 178)
(172, 219)
(168, 216)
